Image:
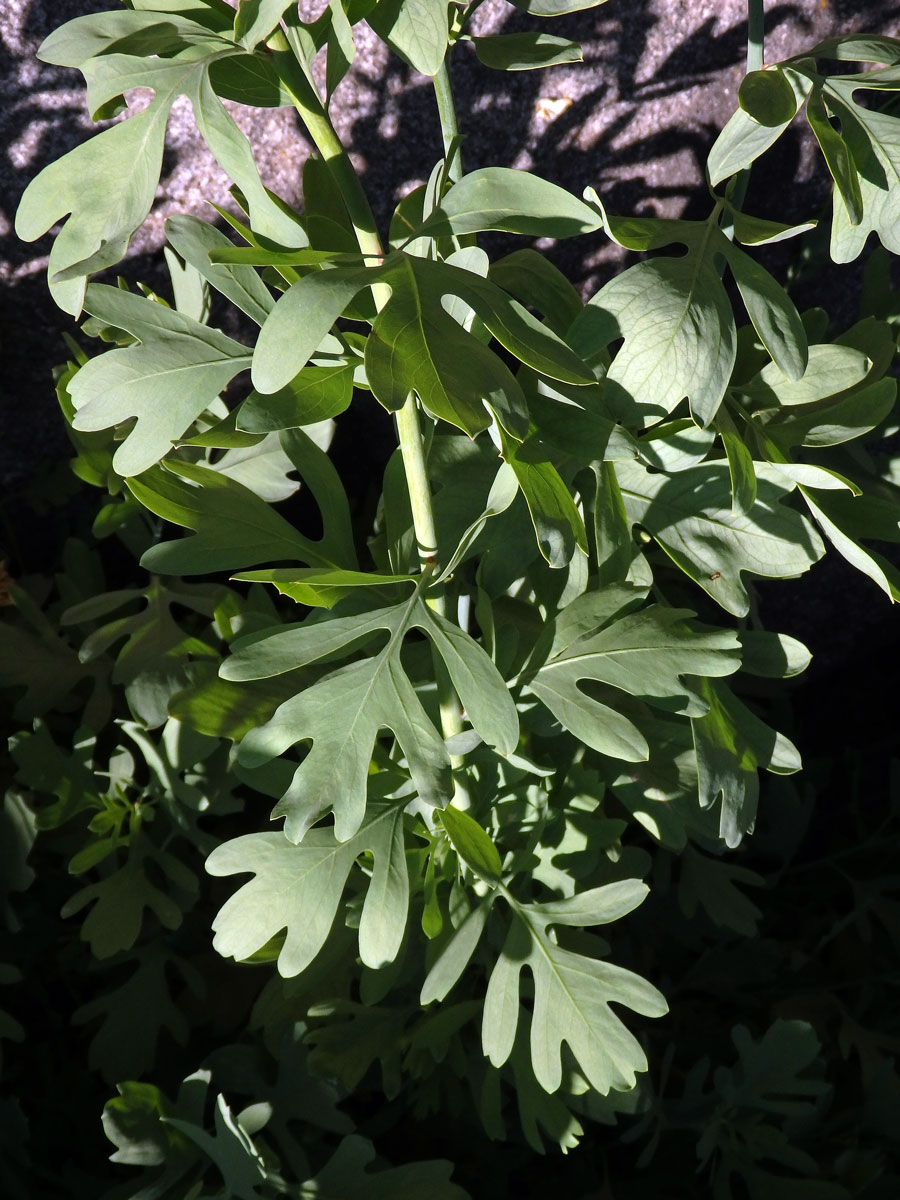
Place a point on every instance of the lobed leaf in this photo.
(165, 382)
(298, 888)
(343, 712)
(689, 514)
(572, 994)
(644, 653)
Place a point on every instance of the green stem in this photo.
(416, 470)
(314, 116)
(755, 59)
(756, 36)
(443, 93)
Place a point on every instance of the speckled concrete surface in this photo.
(635, 119)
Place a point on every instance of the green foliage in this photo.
(521, 703)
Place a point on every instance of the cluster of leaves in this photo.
(504, 715)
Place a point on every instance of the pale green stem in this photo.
(416, 470)
(756, 35)
(315, 118)
(443, 93)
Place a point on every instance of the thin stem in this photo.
(756, 35)
(416, 471)
(443, 93)
(314, 116)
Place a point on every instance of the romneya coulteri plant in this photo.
(487, 719)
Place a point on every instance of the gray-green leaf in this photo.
(298, 889)
(690, 516)
(166, 381)
(645, 654)
(343, 712)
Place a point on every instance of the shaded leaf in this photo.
(732, 744)
(233, 527)
(690, 515)
(195, 241)
(525, 51)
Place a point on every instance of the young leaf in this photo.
(768, 97)
(472, 844)
(740, 463)
(456, 952)
(195, 241)
(557, 522)
(298, 888)
(744, 139)
(300, 322)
